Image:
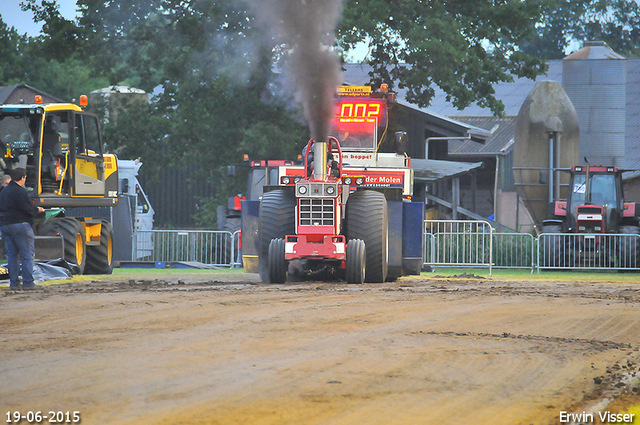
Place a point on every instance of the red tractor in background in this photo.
(595, 206)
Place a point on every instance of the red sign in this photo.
(380, 178)
(362, 108)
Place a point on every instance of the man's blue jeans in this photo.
(19, 240)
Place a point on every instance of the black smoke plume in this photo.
(307, 30)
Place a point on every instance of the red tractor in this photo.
(595, 209)
(320, 202)
(346, 214)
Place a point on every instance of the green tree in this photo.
(617, 22)
(60, 38)
(10, 46)
(569, 21)
(460, 46)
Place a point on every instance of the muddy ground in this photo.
(225, 349)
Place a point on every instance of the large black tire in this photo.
(100, 257)
(629, 247)
(367, 219)
(277, 219)
(553, 249)
(355, 271)
(72, 233)
(277, 263)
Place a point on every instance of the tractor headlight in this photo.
(330, 190)
(359, 180)
(297, 179)
(302, 190)
(286, 180)
(347, 180)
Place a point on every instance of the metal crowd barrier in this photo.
(458, 243)
(448, 243)
(462, 243)
(588, 251)
(217, 248)
(514, 251)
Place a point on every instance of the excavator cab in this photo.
(59, 146)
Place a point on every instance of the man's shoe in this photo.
(31, 287)
(17, 287)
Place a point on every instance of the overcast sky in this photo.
(13, 16)
(23, 21)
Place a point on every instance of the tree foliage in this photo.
(211, 66)
(462, 47)
(571, 22)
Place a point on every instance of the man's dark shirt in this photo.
(15, 205)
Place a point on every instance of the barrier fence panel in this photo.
(236, 243)
(461, 243)
(218, 248)
(588, 251)
(514, 250)
(452, 243)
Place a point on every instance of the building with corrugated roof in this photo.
(603, 86)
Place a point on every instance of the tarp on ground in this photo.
(49, 270)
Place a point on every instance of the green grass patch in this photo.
(521, 275)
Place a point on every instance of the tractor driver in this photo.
(51, 145)
(331, 163)
(348, 140)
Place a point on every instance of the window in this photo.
(92, 135)
(87, 135)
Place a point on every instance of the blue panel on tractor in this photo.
(250, 242)
(394, 213)
(412, 237)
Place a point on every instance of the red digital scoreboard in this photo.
(358, 109)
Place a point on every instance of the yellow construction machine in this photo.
(60, 146)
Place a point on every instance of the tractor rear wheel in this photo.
(277, 219)
(356, 261)
(277, 263)
(367, 219)
(100, 257)
(629, 247)
(553, 249)
(73, 236)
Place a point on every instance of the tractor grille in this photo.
(316, 212)
(585, 209)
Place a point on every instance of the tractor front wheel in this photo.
(629, 247)
(277, 264)
(356, 261)
(554, 249)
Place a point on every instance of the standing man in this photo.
(16, 218)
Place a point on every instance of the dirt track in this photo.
(227, 350)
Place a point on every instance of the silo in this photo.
(545, 138)
(595, 79)
(114, 98)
